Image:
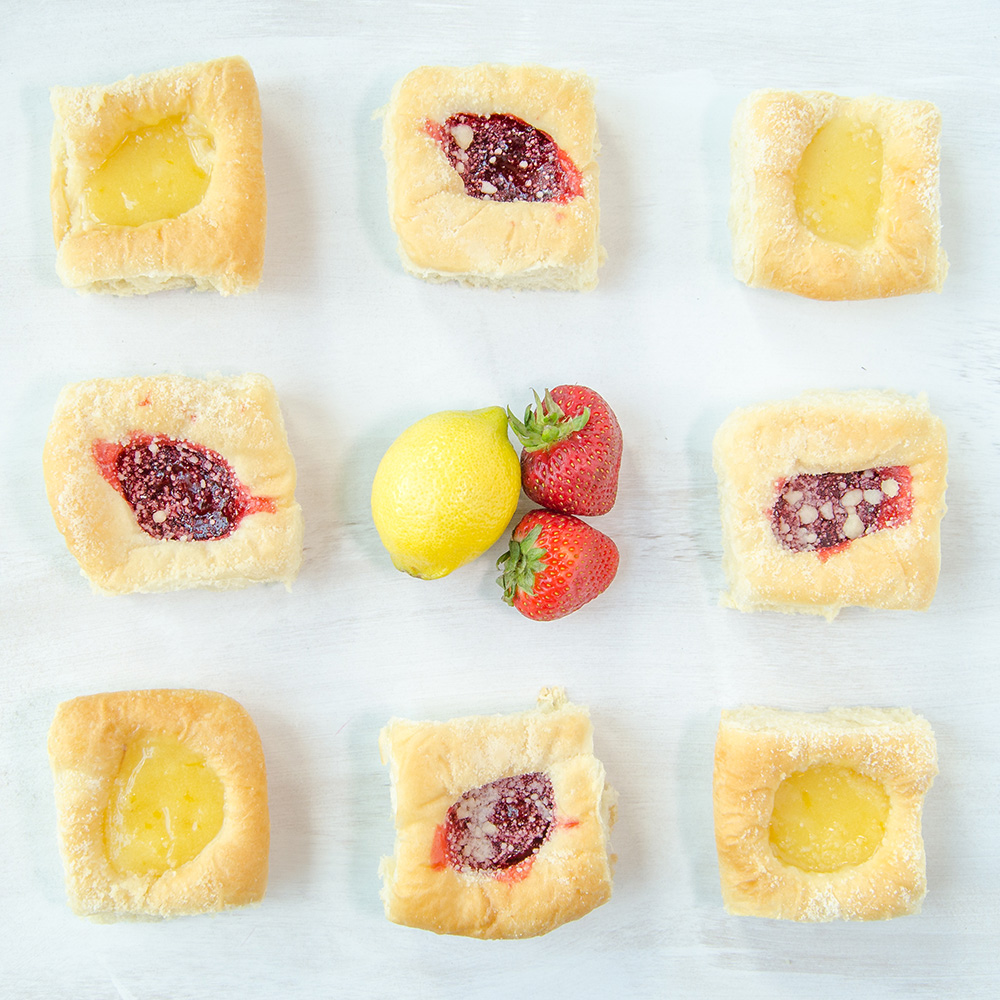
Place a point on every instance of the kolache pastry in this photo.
(158, 181)
(817, 815)
(166, 482)
(162, 804)
(502, 822)
(836, 197)
(492, 176)
(832, 499)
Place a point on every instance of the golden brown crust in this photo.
(217, 244)
(771, 247)
(445, 235)
(87, 742)
(433, 764)
(757, 748)
(820, 432)
(237, 417)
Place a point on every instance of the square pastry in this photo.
(158, 181)
(162, 803)
(832, 499)
(836, 197)
(817, 815)
(167, 482)
(502, 822)
(492, 176)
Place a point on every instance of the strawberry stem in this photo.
(546, 424)
(520, 563)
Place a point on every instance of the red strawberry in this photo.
(556, 563)
(572, 451)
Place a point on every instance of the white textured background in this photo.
(358, 351)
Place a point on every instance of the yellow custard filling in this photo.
(838, 187)
(827, 817)
(156, 172)
(166, 805)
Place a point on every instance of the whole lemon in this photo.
(445, 490)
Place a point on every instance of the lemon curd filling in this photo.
(158, 171)
(828, 817)
(166, 805)
(838, 187)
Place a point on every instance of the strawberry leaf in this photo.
(546, 424)
(520, 564)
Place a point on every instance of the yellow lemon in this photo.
(445, 490)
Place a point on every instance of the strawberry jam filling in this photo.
(503, 158)
(825, 512)
(177, 490)
(498, 827)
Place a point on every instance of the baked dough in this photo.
(758, 748)
(87, 744)
(446, 235)
(433, 764)
(238, 418)
(759, 448)
(771, 246)
(219, 243)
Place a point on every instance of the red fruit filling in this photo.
(503, 158)
(177, 490)
(499, 826)
(827, 511)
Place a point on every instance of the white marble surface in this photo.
(358, 350)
